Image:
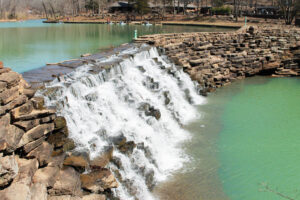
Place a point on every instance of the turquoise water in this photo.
(31, 44)
(259, 141)
(246, 140)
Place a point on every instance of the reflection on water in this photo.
(32, 44)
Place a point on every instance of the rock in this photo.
(42, 153)
(8, 169)
(22, 110)
(32, 145)
(118, 140)
(38, 192)
(63, 197)
(68, 145)
(38, 102)
(36, 114)
(102, 160)
(67, 183)
(29, 93)
(16, 191)
(36, 133)
(57, 160)
(98, 180)
(47, 119)
(11, 78)
(14, 103)
(153, 112)
(8, 95)
(4, 70)
(3, 86)
(150, 110)
(94, 197)
(127, 147)
(46, 175)
(251, 30)
(27, 169)
(10, 135)
(57, 139)
(60, 122)
(27, 125)
(79, 160)
(150, 180)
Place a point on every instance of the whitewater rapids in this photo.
(101, 102)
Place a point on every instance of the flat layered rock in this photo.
(36, 114)
(36, 133)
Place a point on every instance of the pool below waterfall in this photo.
(245, 146)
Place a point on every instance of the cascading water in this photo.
(144, 98)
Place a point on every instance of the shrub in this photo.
(221, 10)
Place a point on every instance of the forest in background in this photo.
(26, 9)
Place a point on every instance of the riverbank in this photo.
(217, 59)
(184, 23)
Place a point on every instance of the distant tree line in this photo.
(57, 8)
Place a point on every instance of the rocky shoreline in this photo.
(217, 59)
(35, 162)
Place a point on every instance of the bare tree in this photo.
(289, 9)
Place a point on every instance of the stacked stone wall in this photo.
(217, 59)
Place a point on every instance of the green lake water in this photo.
(31, 44)
(246, 146)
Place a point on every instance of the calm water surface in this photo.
(31, 44)
(245, 146)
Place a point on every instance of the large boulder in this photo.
(98, 180)
(8, 169)
(67, 183)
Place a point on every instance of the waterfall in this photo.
(142, 97)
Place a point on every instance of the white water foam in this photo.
(100, 106)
